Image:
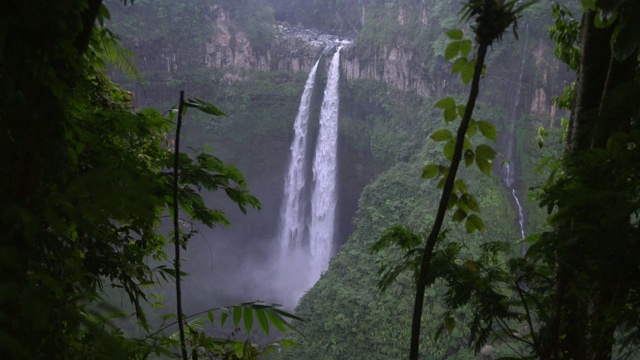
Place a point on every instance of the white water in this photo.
(324, 197)
(292, 219)
(508, 172)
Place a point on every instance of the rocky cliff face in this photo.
(297, 49)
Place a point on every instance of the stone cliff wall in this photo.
(296, 49)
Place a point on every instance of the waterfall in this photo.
(508, 171)
(324, 197)
(292, 220)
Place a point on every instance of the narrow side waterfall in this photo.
(292, 217)
(324, 196)
(508, 171)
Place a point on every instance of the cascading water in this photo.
(508, 171)
(324, 196)
(292, 219)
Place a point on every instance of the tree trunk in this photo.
(589, 294)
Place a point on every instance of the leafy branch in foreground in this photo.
(265, 314)
(493, 18)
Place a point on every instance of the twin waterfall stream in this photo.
(308, 212)
(307, 226)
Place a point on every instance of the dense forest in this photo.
(320, 179)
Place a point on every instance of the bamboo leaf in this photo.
(204, 107)
(276, 321)
(224, 315)
(262, 320)
(248, 319)
(237, 315)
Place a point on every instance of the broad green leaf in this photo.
(487, 129)
(460, 185)
(467, 72)
(237, 315)
(468, 225)
(441, 135)
(470, 201)
(459, 215)
(455, 34)
(486, 152)
(477, 222)
(430, 171)
(248, 319)
(459, 64)
(450, 114)
(449, 148)
(469, 156)
(484, 165)
(461, 111)
(466, 144)
(624, 39)
(453, 200)
(465, 47)
(471, 130)
(211, 318)
(446, 102)
(452, 49)
(262, 320)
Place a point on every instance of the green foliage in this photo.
(340, 309)
(565, 33)
(85, 184)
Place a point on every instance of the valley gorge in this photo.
(391, 71)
